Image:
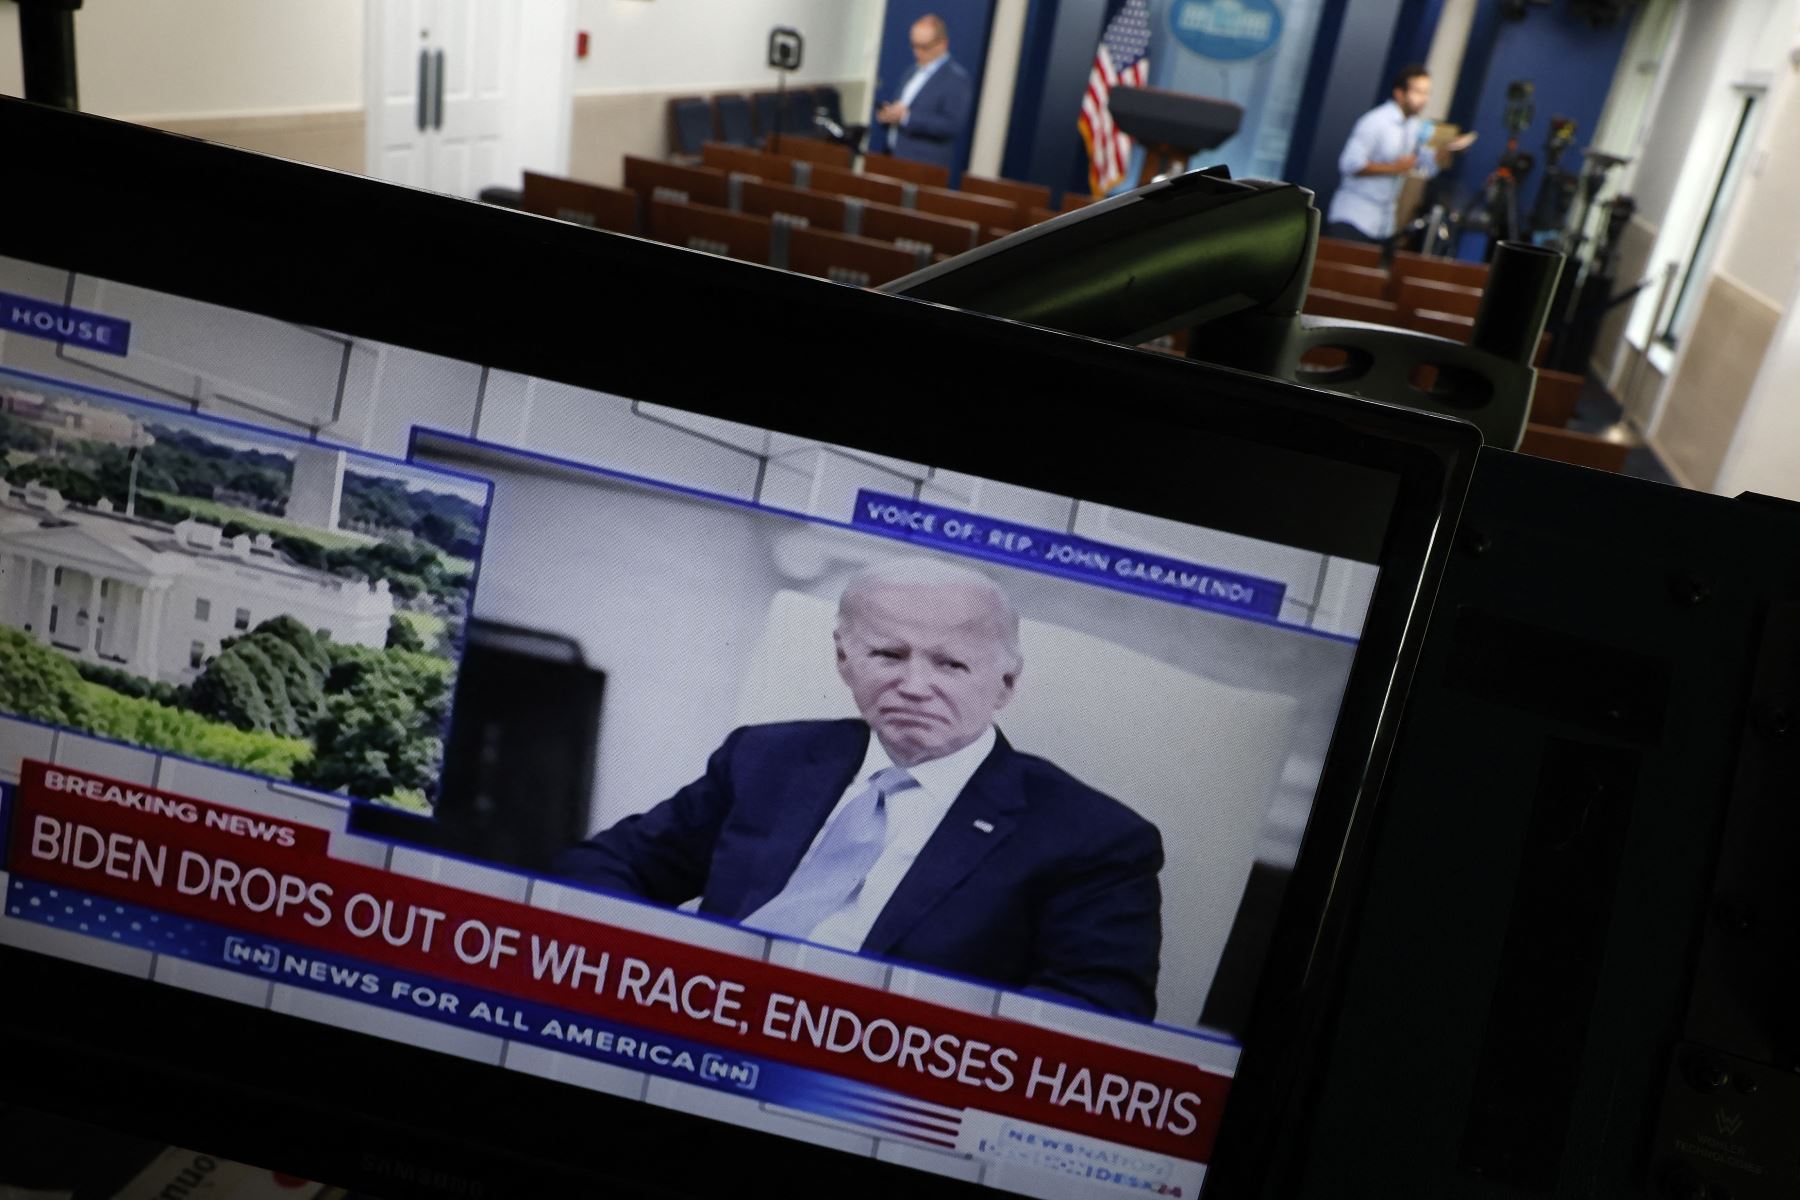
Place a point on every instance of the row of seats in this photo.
(669, 204)
(862, 228)
(866, 229)
(1431, 295)
(1442, 297)
(741, 120)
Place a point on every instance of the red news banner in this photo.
(275, 878)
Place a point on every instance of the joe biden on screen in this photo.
(915, 833)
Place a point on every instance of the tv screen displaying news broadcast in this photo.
(922, 807)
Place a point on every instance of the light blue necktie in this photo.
(833, 873)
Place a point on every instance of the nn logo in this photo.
(1728, 1122)
(717, 1069)
(263, 956)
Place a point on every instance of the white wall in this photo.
(163, 58)
(664, 45)
(1448, 47)
(12, 78)
(543, 63)
(999, 80)
(1761, 246)
(1717, 45)
(1765, 451)
(1762, 250)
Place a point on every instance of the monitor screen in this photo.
(921, 812)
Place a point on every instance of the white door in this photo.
(473, 48)
(439, 74)
(399, 87)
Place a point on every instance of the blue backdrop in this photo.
(1571, 65)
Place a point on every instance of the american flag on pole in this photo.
(1123, 60)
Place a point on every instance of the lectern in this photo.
(1172, 125)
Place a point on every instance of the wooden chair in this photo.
(1037, 214)
(1408, 265)
(842, 182)
(1569, 446)
(1341, 306)
(764, 199)
(701, 185)
(1413, 293)
(842, 258)
(1354, 254)
(1446, 325)
(947, 235)
(713, 230)
(1553, 401)
(1368, 282)
(1074, 200)
(615, 209)
(811, 149)
(983, 210)
(1455, 327)
(929, 174)
(1020, 195)
(748, 160)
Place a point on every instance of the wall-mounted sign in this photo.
(1226, 30)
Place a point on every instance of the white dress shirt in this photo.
(912, 816)
(1382, 135)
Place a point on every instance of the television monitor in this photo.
(957, 677)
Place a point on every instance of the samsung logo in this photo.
(424, 1175)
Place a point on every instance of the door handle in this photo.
(424, 87)
(437, 117)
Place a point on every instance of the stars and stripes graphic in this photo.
(1123, 60)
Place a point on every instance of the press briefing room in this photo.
(1052, 598)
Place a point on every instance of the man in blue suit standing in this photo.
(916, 833)
(932, 110)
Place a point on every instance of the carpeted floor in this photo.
(1595, 412)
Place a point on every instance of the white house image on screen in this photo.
(155, 600)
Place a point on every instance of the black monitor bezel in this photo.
(523, 293)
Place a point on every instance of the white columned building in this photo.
(157, 601)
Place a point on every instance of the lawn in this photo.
(429, 626)
(212, 510)
(331, 539)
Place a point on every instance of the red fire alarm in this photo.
(581, 44)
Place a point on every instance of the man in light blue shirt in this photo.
(1387, 144)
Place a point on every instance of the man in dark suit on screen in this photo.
(916, 833)
(931, 111)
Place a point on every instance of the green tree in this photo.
(39, 684)
(228, 690)
(302, 682)
(75, 485)
(402, 636)
(310, 645)
(380, 734)
(287, 664)
(271, 683)
(147, 723)
(22, 435)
